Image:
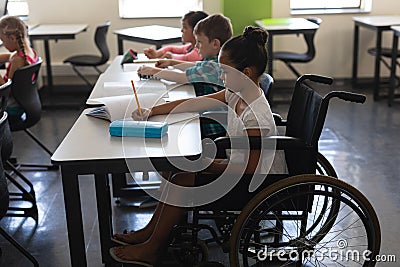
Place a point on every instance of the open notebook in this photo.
(121, 107)
(142, 87)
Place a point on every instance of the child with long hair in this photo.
(14, 35)
(186, 52)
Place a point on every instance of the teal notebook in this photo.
(150, 129)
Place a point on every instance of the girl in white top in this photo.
(243, 60)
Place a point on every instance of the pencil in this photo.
(136, 97)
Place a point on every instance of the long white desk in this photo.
(89, 149)
(115, 72)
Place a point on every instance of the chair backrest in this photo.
(24, 89)
(266, 82)
(4, 94)
(309, 39)
(5, 138)
(304, 121)
(100, 39)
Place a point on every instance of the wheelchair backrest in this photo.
(304, 123)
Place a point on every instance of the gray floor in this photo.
(361, 141)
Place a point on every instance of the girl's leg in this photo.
(168, 217)
(141, 235)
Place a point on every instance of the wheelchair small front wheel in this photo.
(187, 253)
(275, 226)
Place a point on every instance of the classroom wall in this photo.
(334, 39)
(243, 13)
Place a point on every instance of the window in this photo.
(157, 8)
(18, 8)
(329, 6)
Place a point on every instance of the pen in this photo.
(136, 97)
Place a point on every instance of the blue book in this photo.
(151, 129)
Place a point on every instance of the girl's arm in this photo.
(184, 105)
(192, 56)
(5, 57)
(17, 63)
(218, 166)
(191, 104)
(175, 49)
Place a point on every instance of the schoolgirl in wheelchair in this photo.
(243, 60)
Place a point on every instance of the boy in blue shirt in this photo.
(210, 33)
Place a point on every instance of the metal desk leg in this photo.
(73, 214)
(103, 200)
(393, 69)
(120, 45)
(48, 64)
(355, 54)
(377, 64)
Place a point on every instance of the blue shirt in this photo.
(205, 76)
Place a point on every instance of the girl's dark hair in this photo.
(12, 25)
(248, 49)
(193, 17)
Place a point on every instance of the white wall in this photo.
(334, 39)
(91, 12)
(334, 42)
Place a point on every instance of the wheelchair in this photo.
(307, 217)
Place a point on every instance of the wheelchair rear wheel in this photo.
(350, 237)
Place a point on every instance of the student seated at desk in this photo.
(243, 60)
(187, 52)
(211, 33)
(14, 35)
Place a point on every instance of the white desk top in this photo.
(153, 32)
(272, 24)
(378, 21)
(89, 139)
(57, 29)
(395, 28)
(116, 73)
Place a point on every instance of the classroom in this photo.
(199, 133)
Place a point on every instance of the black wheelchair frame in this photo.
(299, 218)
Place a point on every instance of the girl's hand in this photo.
(151, 53)
(167, 55)
(163, 63)
(141, 115)
(146, 70)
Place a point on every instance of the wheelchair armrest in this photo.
(221, 117)
(289, 143)
(254, 142)
(214, 116)
(279, 121)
